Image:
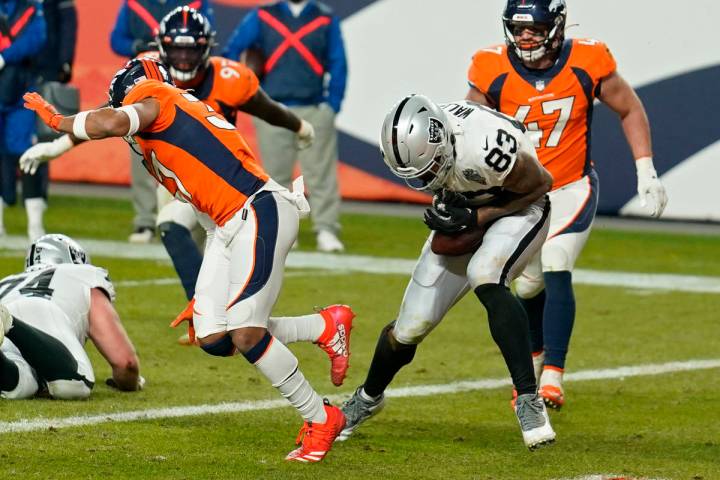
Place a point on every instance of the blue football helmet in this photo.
(135, 71)
(549, 14)
(184, 41)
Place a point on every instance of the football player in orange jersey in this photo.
(184, 41)
(252, 222)
(549, 83)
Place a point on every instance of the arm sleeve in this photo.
(30, 41)
(337, 65)
(68, 31)
(245, 35)
(121, 41)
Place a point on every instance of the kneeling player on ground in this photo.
(47, 313)
(486, 176)
(199, 157)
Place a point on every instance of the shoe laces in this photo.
(529, 412)
(305, 431)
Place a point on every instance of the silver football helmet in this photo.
(417, 144)
(53, 249)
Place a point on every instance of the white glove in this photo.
(2, 62)
(44, 152)
(650, 189)
(306, 135)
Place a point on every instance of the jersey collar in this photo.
(541, 77)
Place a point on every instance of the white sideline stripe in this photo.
(176, 281)
(31, 425)
(400, 266)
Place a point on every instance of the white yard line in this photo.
(176, 281)
(400, 266)
(36, 424)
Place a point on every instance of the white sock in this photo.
(367, 397)
(280, 366)
(35, 208)
(306, 328)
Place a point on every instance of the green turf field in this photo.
(663, 426)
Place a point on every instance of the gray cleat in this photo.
(534, 421)
(356, 411)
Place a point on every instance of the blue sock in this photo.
(184, 253)
(534, 308)
(8, 177)
(559, 316)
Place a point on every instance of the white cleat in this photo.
(328, 242)
(534, 421)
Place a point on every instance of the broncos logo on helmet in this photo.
(134, 72)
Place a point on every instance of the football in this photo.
(460, 244)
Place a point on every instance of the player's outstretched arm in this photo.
(113, 343)
(527, 181)
(617, 94)
(96, 124)
(262, 106)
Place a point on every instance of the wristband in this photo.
(134, 118)
(79, 126)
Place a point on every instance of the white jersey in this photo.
(487, 144)
(67, 286)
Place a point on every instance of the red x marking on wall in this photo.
(292, 39)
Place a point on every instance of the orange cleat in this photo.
(551, 389)
(316, 439)
(186, 315)
(335, 340)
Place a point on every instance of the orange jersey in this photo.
(555, 104)
(195, 153)
(226, 85)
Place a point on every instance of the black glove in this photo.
(450, 220)
(447, 197)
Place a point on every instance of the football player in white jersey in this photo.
(46, 314)
(486, 178)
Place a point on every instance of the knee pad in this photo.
(527, 287)
(410, 333)
(220, 348)
(69, 389)
(556, 256)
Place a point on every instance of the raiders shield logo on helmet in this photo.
(436, 132)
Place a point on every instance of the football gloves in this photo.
(650, 189)
(306, 135)
(450, 220)
(46, 112)
(44, 152)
